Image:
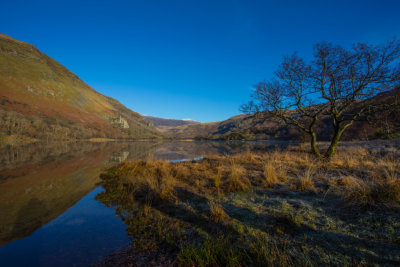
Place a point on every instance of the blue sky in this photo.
(189, 59)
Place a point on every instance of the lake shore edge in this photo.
(282, 207)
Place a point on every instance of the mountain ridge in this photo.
(160, 122)
(256, 127)
(41, 98)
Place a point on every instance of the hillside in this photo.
(161, 122)
(253, 126)
(40, 98)
(237, 127)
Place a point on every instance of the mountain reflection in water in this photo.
(41, 181)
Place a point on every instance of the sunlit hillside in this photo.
(41, 98)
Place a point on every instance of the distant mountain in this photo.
(238, 127)
(40, 98)
(160, 122)
(253, 126)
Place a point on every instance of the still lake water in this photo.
(48, 212)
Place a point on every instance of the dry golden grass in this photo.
(248, 157)
(357, 191)
(187, 192)
(392, 190)
(154, 178)
(270, 175)
(281, 170)
(360, 177)
(304, 181)
(367, 164)
(372, 193)
(217, 212)
(237, 181)
(181, 169)
(350, 158)
(369, 178)
(388, 167)
(218, 178)
(346, 181)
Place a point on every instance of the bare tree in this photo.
(335, 84)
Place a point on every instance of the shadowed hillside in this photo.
(235, 128)
(379, 124)
(40, 98)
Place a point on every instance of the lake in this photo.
(48, 212)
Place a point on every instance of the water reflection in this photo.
(39, 182)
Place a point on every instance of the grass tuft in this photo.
(217, 212)
(237, 181)
(270, 175)
(304, 181)
(370, 193)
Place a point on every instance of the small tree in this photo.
(336, 84)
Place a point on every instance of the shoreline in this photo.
(280, 207)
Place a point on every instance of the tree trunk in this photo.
(339, 129)
(314, 145)
(334, 143)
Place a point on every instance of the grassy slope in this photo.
(36, 85)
